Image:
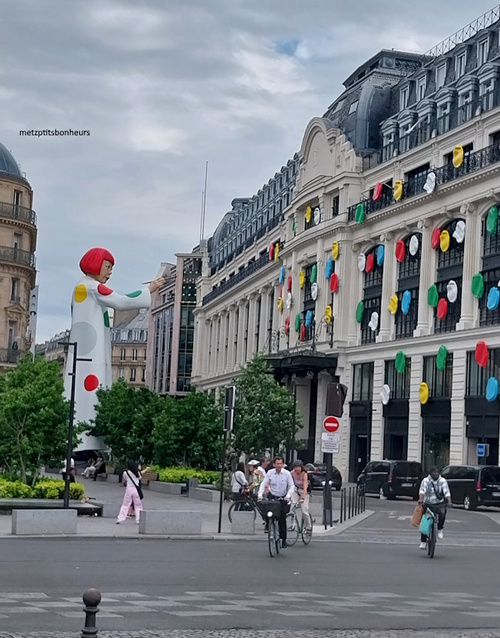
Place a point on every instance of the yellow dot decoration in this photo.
(424, 393)
(328, 314)
(335, 250)
(458, 156)
(80, 293)
(308, 214)
(277, 251)
(444, 240)
(393, 304)
(280, 304)
(302, 278)
(398, 190)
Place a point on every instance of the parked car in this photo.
(391, 478)
(473, 485)
(317, 474)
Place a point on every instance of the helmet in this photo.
(254, 463)
(298, 463)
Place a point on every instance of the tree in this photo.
(164, 436)
(264, 411)
(124, 418)
(34, 418)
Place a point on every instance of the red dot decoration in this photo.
(302, 332)
(287, 325)
(91, 382)
(370, 263)
(377, 191)
(271, 252)
(334, 282)
(289, 287)
(104, 290)
(442, 308)
(435, 237)
(481, 354)
(400, 250)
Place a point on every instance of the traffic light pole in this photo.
(228, 427)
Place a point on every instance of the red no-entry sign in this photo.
(331, 424)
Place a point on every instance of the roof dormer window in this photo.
(460, 62)
(483, 48)
(404, 97)
(440, 75)
(421, 85)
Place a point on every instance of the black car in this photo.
(316, 473)
(473, 485)
(391, 478)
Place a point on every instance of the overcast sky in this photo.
(163, 86)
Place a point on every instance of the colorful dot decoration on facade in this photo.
(314, 291)
(361, 262)
(380, 255)
(360, 311)
(329, 268)
(334, 282)
(307, 214)
(280, 304)
(370, 263)
(103, 290)
(393, 304)
(400, 250)
(400, 362)
(360, 213)
(492, 389)
(302, 332)
(398, 190)
(91, 382)
(289, 285)
(493, 298)
(373, 323)
(435, 237)
(282, 275)
(277, 251)
(444, 241)
(271, 252)
(458, 156)
(377, 191)
(302, 278)
(287, 326)
(492, 220)
(430, 183)
(441, 358)
(317, 215)
(423, 393)
(452, 291)
(314, 273)
(288, 300)
(414, 245)
(481, 354)
(80, 293)
(442, 308)
(309, 318)
(328, 314)
(459, 232)
(433, 296)
(478, 285)
(298, 321)
(385, 394)
(406, 302)
(335, 250)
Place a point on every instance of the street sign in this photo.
(483, 449)
(331, 424)
(330, 443)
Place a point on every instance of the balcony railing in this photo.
(447, 173)
(238, 277)
(17, 256)
(13, 211)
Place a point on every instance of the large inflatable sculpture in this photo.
(90, 329)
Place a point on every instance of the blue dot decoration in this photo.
(493, 298)
(282, 274)
(380, 255)
(309, 318)
(491, 389)
(329, 268)
(405, 302)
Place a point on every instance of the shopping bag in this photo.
(426, 524)
(418, 512)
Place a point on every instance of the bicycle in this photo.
(272, 510)
(247, 503)
(296, 527)
(432, 536)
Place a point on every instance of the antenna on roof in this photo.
(203, 205)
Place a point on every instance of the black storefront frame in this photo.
(360, 428)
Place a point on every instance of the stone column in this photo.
(427, 278)
(230, 339)
(472, 265)
(264, 318)
(240, 353)
(458, 439)
(252, 323)
(414, 418)
(389, 281)
(377, 438)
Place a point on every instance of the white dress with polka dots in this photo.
(90, 328)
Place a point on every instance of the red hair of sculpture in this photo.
(91, 262)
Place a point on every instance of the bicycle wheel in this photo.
(272, 539)
(245, 506)
(306, 537)
(431, 543)
(292, 529)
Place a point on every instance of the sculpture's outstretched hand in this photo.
(156, 284)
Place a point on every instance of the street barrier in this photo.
(91, 599)
(352, 503)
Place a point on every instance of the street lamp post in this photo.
(71, 419)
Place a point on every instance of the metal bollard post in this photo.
(91, 600)
(345, 504)
(342, 505)
(350, 502)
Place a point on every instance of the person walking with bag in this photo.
(133, 493)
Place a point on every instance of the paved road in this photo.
(162, 585)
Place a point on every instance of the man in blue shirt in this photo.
(281, 486)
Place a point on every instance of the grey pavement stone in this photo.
(170, 522)
(243, 523)
(29, 522)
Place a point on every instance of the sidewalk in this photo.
(112, 493)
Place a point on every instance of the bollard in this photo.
(345, 504)
(91, 600)
(342, 505)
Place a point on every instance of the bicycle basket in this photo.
(272, 506)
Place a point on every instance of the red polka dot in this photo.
(104, 290)
(91, 382)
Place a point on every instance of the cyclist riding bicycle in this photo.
(301, 496)
(281, 486)
(434, 495)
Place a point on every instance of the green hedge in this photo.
(44, 488)
(181, 474)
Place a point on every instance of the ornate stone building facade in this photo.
(129, 338)
(18, 233)
(382, 270)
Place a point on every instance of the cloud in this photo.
(163, 87)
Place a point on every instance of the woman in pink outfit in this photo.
(131, 479)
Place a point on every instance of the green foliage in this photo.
(181, 474)
(33, 418)
(44, 488)
(264, 411)
(124, 418)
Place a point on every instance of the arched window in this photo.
(372, 297)
(490, 272)
(450, 267)
(409, 280)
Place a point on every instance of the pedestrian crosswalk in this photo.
(200, 604)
